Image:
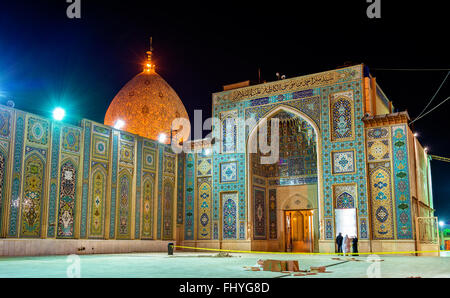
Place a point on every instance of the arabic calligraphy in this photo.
(293, 84)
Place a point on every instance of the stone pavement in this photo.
(207, 265)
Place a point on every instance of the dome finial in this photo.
(149, 65)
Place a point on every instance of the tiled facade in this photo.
(95, 182)
(83, 182)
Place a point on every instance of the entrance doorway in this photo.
(346, 222)
(299, 230)
(287, 181)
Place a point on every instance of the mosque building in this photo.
(347, 163)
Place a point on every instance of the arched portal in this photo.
(97, 201)
(147, 206)
(287, 188)
(33, 189)
(67, 200)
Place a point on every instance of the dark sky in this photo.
(47, 59)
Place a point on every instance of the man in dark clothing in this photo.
(339, 239)
(355, 246)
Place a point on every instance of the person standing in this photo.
(355, 246)
(346, 246)
(339, 243)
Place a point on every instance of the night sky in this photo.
(47, 59)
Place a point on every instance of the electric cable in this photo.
(430, 110)
(445, 79)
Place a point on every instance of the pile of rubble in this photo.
(285, 266)
(223, 254)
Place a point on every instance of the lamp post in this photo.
(58, 114)
(162, 138)
(119, 124)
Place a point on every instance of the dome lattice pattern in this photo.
(148, 105)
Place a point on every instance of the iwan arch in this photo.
(347, 161)
(294, 197)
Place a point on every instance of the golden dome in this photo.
(147, 105)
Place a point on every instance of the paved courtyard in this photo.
(207, 265)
